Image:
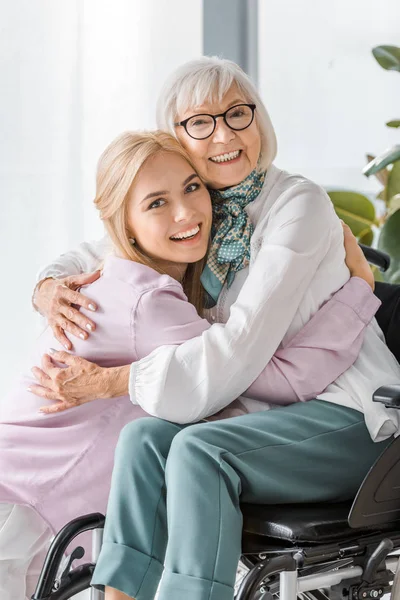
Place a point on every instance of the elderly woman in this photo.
(276, 256)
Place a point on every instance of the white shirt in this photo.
(297, 263)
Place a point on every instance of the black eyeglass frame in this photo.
(215, 117)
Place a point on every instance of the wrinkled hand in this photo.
(78, 382)
(355, 259)
(54, 297)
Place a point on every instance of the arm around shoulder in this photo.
(321, 351)
(83, 259)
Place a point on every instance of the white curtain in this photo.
(74, 74)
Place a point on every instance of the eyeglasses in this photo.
(200, 127)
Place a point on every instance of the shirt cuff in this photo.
(132, 383)
(54, 273)
(357, 294)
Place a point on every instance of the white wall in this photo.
(73, 75)
(327, 96)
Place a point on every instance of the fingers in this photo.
(50, 376)
(84, 323)
(347, 231)
(73, 297)
(41, 376)
(61, 337)
(350, 242)
(72, 321)
(43, 392)
(54, 408)
(65, 358)
(64, 318)
(355, 259)
(47, 365)
(85, 278)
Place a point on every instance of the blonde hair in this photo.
(207, 79)
(116, 171)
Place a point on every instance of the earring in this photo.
(132, 241)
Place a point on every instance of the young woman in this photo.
(275, 257)
(56, 467)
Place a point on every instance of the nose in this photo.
(222, 133)
(184, 213)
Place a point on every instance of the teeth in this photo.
(185, 234)
(225, 157)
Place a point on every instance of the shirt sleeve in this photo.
(164, 316)
(84, 259)
(203, 375)
(321, 351)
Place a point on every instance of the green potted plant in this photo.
(357, 210)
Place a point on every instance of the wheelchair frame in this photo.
(348, 564)
(345, 551)
(288, 574)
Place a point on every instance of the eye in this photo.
(157, 203)
(192, 187)
(198, 122)
(237, 113)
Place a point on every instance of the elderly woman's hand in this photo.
(78, 382)
(54, 298)
(355, 259)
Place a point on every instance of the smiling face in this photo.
(227, 157)
(169, 213)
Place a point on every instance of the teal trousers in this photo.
(175, 493)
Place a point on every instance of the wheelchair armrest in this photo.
(376, 257)
(389, 395)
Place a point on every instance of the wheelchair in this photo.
(336, 551)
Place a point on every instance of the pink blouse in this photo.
(61, 464)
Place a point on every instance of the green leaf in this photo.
(383, 160)
(356, 210)
(394, 204)
(395, 123)
(395, 277)
(383, 175)
(388, 57)
(389, 241)
(367, 237)
(393, 184)
(378, 276)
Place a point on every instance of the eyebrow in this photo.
(163, 192)
(192, 176)
(232, 103)
(237, 101)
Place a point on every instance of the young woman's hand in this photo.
(355, 259)
(77, 382)
(54, 297)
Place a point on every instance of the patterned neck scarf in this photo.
(231, 233)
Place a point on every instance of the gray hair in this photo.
(207, 79)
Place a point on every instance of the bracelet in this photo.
(37, 288)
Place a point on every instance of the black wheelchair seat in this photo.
(298, 523)
(376, 506)
(301, 524)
